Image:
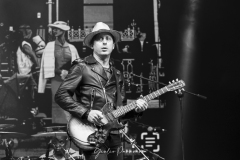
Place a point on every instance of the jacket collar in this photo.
(91, 60)
(96, 67)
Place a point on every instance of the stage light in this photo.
(38, 15)
(10, 28)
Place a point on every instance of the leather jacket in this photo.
(88, 80)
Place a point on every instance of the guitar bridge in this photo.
(92, 139)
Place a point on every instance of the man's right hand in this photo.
(95, 116)
(63, 74)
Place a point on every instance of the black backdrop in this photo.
(210, 126)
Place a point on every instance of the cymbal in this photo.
(11, 119)
(6, 126)
(4, 135)
(50, 134)
(47, 119)
(54, 128)
(8, 121)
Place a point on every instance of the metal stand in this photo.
(132, 141)
(8, 151)
(48, 149)
(68, 155)
(141, 150)
(194, 94)
(180, 95)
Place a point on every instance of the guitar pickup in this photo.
(92, 142)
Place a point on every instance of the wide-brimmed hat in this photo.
(61, 25)
(101, 27)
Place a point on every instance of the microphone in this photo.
(156, 129)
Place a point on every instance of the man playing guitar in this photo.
(99, 90)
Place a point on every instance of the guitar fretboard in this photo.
(124, 109)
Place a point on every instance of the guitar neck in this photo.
(125, 109)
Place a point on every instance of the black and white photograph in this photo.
(119, 79)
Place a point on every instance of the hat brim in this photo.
(65, 28)
(114, 33)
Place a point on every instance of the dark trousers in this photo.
(112, 149)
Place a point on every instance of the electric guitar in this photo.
(87, 136)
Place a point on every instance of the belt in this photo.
(115, 132)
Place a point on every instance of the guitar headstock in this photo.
(175, 85)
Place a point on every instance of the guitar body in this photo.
(86, 135)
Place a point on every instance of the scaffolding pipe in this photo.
(49, 3)
(156, 6)
(57, 10)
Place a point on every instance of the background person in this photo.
(56, 58)
(26, 57)
(57, 150)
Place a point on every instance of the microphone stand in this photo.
(48, 149)
(132, 142)
(8, 151)
(198, 95)
(141, 150)
(180, 94)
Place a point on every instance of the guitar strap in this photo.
(119, 97)
(102, 88)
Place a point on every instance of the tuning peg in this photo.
(180, 93)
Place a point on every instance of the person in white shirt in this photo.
(26, 57)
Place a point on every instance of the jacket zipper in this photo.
(92, 98)
(104, 90)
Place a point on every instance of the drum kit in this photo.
(7, 135)
(20, 124)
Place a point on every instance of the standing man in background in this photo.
(145, 54)
(144, 51)
(56, 61)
